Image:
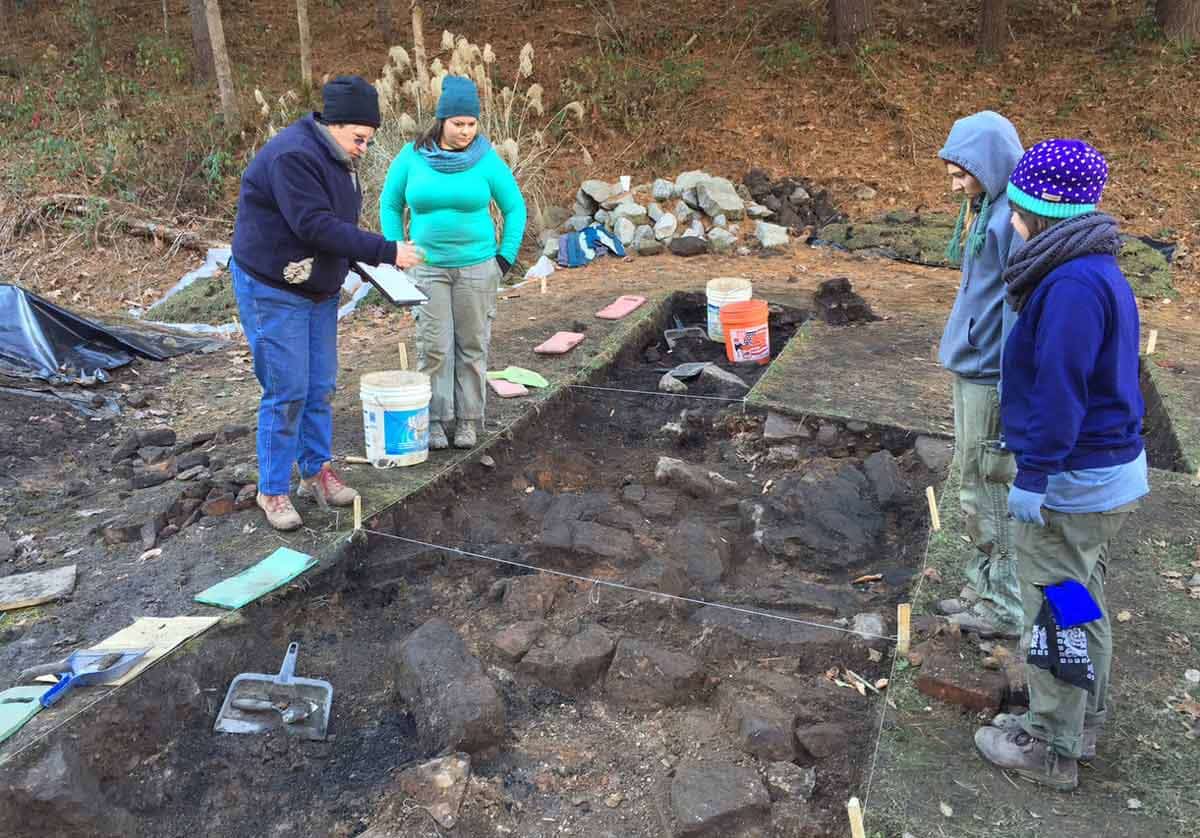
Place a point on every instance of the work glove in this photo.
(504, 265)
(1026, 506)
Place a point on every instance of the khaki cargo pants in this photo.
(1070, 546)
(987, 472)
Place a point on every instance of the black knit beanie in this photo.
(350, 100)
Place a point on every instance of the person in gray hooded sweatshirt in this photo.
(980, 154)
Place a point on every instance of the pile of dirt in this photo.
(796, 201)
(209, 300)
(922, 238)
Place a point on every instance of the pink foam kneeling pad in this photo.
(621, 307)
(507, 389)
(560, 343)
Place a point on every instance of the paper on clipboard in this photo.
(392, 283)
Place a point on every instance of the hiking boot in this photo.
(1031, 758)
(279, 511)
(437, 437)
(464, 434)
(327, 488)
(1012, 721)
(985, 627)
(968, 595)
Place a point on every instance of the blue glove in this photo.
(1026, 506)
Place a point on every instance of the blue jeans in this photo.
(294, 344)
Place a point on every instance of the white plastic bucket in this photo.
(395, 408)
(720, 291)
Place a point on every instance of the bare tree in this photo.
(385, 21)
(418, 28)
(993, 30)
(849, 20)
(1179, 19)
(202, 67)
(305, 45)
(8, 17)
(216, 35)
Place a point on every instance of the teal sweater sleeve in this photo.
(391, 199)
(507, 196)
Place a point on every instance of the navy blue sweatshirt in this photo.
(1070, 398)
(297, 201)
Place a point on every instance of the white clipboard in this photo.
(393, 284)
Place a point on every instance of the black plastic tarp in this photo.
(43, 341)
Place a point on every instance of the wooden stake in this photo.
(403, 356)
(1152, 342)
(357, 513)
(543, 285)
(855, 812)
(903, 627)
(354, 459)
(935, 520)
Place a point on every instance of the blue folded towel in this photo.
(1072, 604)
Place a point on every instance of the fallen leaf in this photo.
(881, 684)
(1189, 706)
(947, 811)
(868, 577)
(1170, 574)
(874, 655)
(1133, 803)
(932, 574)
(1124, 617)
(150, 554)
(88, 513)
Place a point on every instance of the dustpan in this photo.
(257, 703)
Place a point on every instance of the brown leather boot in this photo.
(327, 488)
(279, 511)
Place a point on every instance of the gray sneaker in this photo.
(1012, 721)
(464, 434)
(437, 437)
(1031, 758)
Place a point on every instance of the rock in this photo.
(782, 428)
(438, 786)
(884, 474)
(229, 433)
(948, 678)
(644, 677)
(150, 454)
(936, 454)
(191, 473)
(670, 384)
(689, 479)
(822, 741)
(662, 189)
(799, 196)
(56, 793)
(689, 197)
(760, 631)
(126, 449)
(682, 212)
(838, 305)
(7, 549)
(190, 460)
(550, 248)
(156, 438)
(658, 503)
(827, 435)
(246, 498)
(602, 216)
(649, 247)
(202, 438)
(865, 193)
(756, 211)
(243, 473)
(722, 241)
(598, 191)
(455, 705)
(786, 780)
(783, 455)
(631, 210)
(770, 235)
(717, 800)
(659, 575)
(720, 221)
(218, 504)
(570, 665)
(689, 181)
(857, 427)
(633, 493)
(951, 606)
(533, 595)
(718, 197)
(618, 197)
(643, 233)
(578, 223)
(665, 226)
(723, 381)
(702, 548)
(153, 475)
(513, 642)
(763, 730)
(625, 230)
(654, 211)
(696, 228)
(870, 625)
(599, 540)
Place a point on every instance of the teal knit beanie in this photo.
(459, 98)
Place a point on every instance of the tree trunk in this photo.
(216, 34)
(386, 23)
(202, 67)
(993, 31)
(418, 27)
(1179, 19)
(305, 45)
(849, 20)
(8, 17)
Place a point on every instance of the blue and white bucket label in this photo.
(405, 431)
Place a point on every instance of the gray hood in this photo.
(986, 145)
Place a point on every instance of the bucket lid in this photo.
(394, 379)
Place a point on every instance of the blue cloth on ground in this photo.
(578, 249)
(1072, 604)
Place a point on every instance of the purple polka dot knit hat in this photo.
(1058, 179)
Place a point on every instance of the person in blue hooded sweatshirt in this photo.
(980, 154)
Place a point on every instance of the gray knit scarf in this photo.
(1095, 232)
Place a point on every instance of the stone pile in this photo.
(795, 202)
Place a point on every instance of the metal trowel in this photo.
(84, 668)
(257, 703)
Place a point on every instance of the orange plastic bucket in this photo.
(747, 337)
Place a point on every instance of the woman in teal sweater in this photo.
(448, 180)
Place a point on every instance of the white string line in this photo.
(631, 588)
(656, 393)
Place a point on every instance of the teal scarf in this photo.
(450, 162)
(978, 235)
